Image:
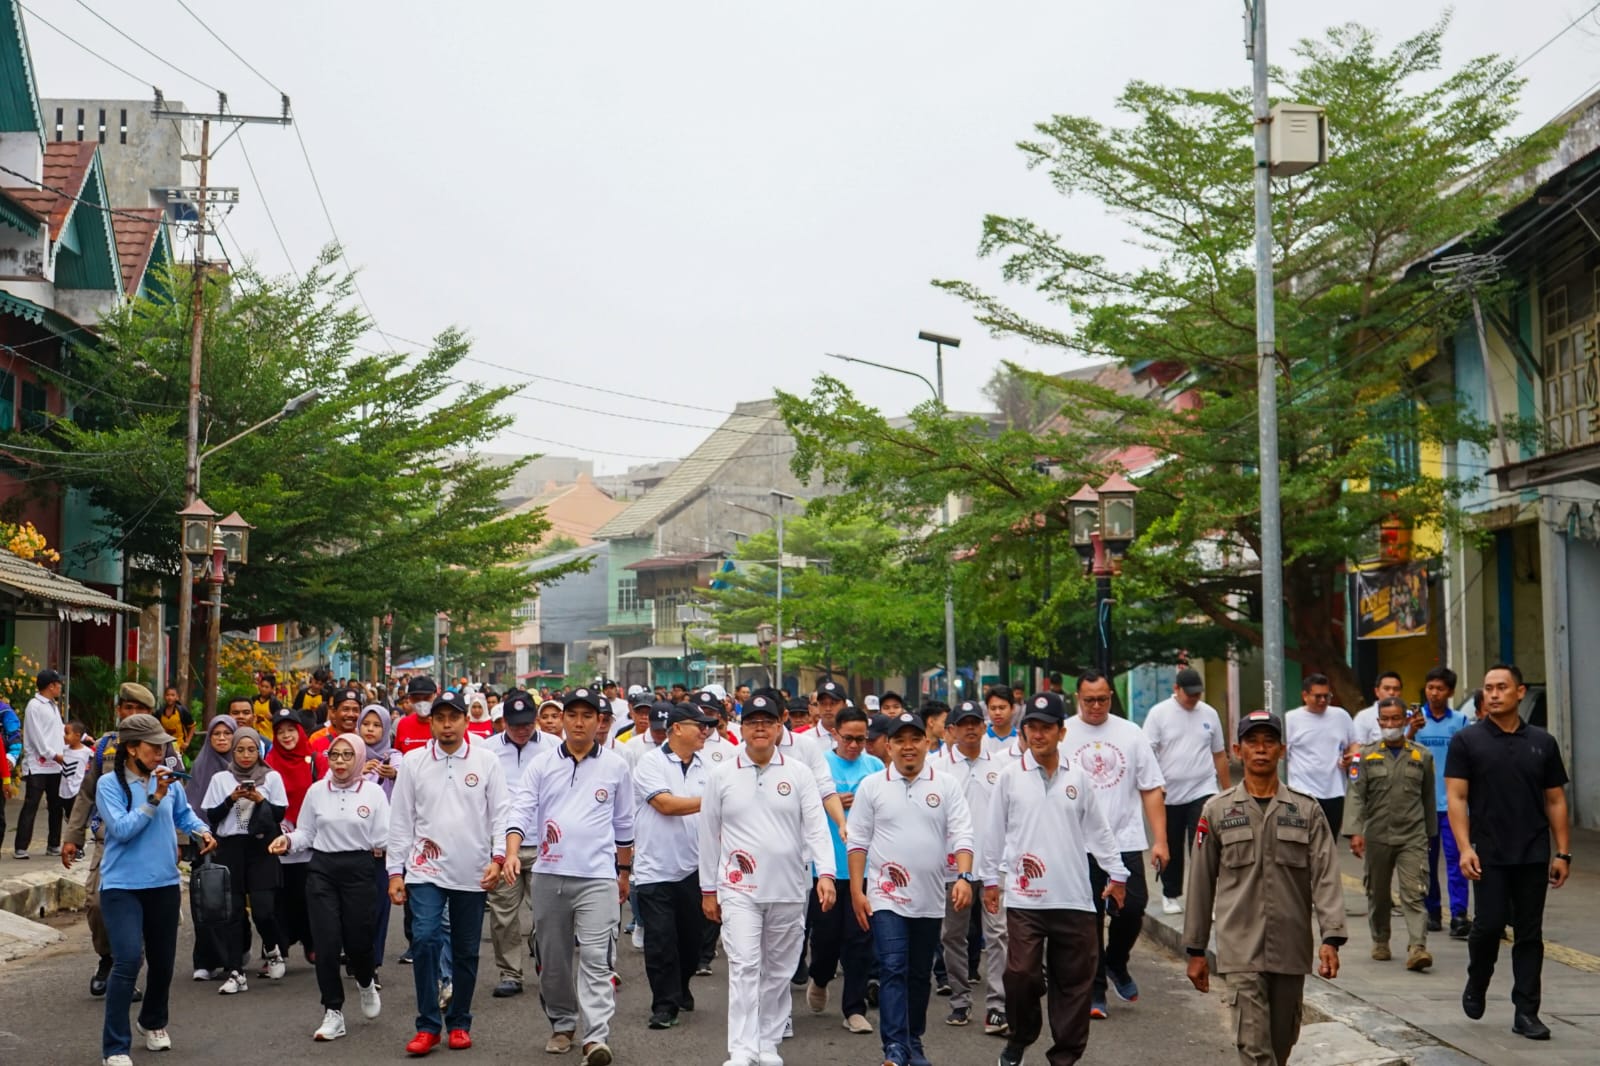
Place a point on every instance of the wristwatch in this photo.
(1565, 857)
(970, 878)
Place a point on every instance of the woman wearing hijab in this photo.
(479, 724)
(139, 887)
(344, 824)
(216, 755)
(245, 805)
(381, 767)
(291, 756)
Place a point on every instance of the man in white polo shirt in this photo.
(517, 746)
(667, 785)
(577, 801)
(976, 771)
(1117, 759)
(1366, 725)
(1044, 818)
(1320, 740)
(761, 822)
(1186, 734)
(905, 820)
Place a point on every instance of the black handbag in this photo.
(211, 893)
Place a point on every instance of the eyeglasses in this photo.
(342, 755)
(1094, 701)
(846, 739)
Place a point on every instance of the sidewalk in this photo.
(1418, 1016)
(30, 890)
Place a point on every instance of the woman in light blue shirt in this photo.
(140, 896)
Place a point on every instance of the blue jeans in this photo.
(904, 948)
(429, 904)
(138, 921)
(1456, 880)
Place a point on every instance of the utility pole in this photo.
(191, 472)
(1266, 371)
(780, 497)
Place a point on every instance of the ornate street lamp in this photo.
(197, 521)
(236, 538)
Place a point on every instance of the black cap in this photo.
(892, 695)
(585, 696)
(901, 722)
(285, 714)
(607, 683)
(46, 676)
(689, 712)
(611, 707)
(1190, 681)
(661, 714)
(345, 694)
(518, 708)
(831, 690)
(643, 698)
(799, 705)
(706, 700)
(421, 685)
(1260, 720)
(448, 699)
(1044, 707)
(878, 726)
(966, 709)
(763, 705)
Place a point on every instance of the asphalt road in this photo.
(47, 1018)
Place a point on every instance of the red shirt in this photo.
(412, 733)
(484, 728)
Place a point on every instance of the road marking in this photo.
(1571, 957)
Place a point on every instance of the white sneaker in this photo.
(1170, 906)
(638, 938)
(155, 1039)
(788, 1028)
(371, 1004)
(446, 991)
(117, 1060)
(332, 1027)
(202, 975)
(234, 984)
(276, 966)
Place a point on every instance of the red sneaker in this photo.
(422, 1043)
(460, 1040)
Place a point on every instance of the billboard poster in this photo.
(1392, 601)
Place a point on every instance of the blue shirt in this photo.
(847, 774)
(142, 839)
(1435, 735)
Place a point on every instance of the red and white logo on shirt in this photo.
(471, 780)
(601, 795)
(933, 799)
(1029, 869)
(741, 864)
(784, 788)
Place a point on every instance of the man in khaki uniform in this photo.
(1263, 859)
(1389, 818)
(132, 698)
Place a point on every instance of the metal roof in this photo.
(71, 600)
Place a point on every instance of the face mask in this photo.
(1394, 734)
(421, 707)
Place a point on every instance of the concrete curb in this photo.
(20, 937)
(47, 890)
(1326, 1005)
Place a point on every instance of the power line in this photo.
(159, 59)
(50, 25)
(232, 51)
(261, 193)
(586, 448)
(122, 211)
(591, 388)
(343, 255)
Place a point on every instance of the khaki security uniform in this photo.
(1263, 871)
(1391, 804)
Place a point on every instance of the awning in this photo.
(655, 651)
(71, 601)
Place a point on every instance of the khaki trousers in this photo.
(1266, 1015)
(507, 903)
(1410, 861)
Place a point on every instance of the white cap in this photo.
(871, 702)
(716, 690)
(634, 690)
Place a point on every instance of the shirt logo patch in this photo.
(992, 776)
(1030, 868)
(363, 812)
(471, 780)
(741, 864)
(716, 756)
(895, 880)
(1202, 827)
(1104, 763)
(601, 795)
(1072, 792)
(933, 799)
(552, 838)
(784, 788)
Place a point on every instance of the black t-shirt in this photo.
(1507, 775)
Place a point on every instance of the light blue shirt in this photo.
(847, 774)
(1435, 735)
(142, 838)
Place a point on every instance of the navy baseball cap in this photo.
(422, 685)
(1045, 707)
(763, 705)
(518, 708)
(901, 722)
(585, 697)
(1260, 720)
(878, 726)
(661, 714)
(831, 690)
(688, 712)
(964, 710)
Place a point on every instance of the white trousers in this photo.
(762, 945)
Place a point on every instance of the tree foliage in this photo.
(358, 509)
(1419, 157)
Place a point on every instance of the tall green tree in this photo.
(359, 508)
(1419, 157)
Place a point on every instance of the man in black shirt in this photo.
(1505, 781)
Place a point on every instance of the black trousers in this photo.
(1050, 953)
(1513, 894)
(254, 876)
(339, 900)
(1333, 810)
(1182, 820)
(838, 941)
(1116, 943)
(48, 788)
(674, 928)
(294, 921)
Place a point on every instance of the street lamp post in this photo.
(230, 546)
(939, 343)
(196, 551)
(780, 497)
(1102, 522)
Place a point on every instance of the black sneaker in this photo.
(703, 970)
(943, 989)
(1460, 928)
(1530, 1026)
(872, 992)
(662, 1020)
(959, 1016)
(1011, 1055)
(1435, 923)
(405, 960)
(1472, 1004)
(995, 1024)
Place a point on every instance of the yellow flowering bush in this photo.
(26, 542)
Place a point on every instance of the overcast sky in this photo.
(692, 202)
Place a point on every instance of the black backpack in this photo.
(210, 893)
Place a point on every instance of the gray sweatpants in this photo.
(992, 965)
(576, 984)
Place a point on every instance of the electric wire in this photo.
(153, 55)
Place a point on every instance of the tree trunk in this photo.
(1319, 643)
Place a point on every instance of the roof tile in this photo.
(136, 229)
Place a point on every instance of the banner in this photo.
(1392, 601)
